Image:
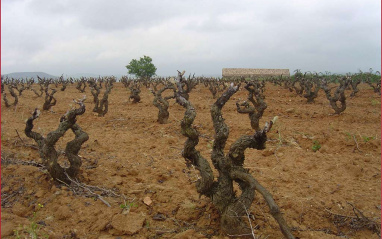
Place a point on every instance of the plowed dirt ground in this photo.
(140, 160)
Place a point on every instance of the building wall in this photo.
(248, 72)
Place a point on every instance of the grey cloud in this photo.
(197, 36)
(110, 15)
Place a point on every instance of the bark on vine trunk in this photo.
(338, 99)
(311, 89)
(230, 169)
(162, 102)
(49, 99)
(134, 94)
(46, 144)
(101, 106)
(256, 109)
(13, 94)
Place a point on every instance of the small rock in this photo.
(266, 152)
(290, 110)
(133, 172)
(40, 193)
(147, 200)
(324, 149)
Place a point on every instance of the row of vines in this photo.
(232, 206)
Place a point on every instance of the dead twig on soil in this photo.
(356, 222)
(356, 143)
(7, 161)
(252, 234)
(86, 189)
(250, 223)
(89, 189)
(19, 137)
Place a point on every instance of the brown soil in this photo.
(132, 154)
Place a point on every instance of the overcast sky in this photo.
(199, 36)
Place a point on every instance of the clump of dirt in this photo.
(320, 168)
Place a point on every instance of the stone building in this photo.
(249, 72)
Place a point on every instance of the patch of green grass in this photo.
(316, 146)
(375, 102)
(210, 144)
(348, 135)
(367, 139)
(147, 224)
(33, 229)
(126, 206)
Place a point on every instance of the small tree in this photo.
(144, 68)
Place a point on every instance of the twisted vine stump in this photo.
(162, 102)
(354, 85)
(64, 83)
(186, 84)
(2, 84)
(101, 106)
(311, 89)
(256, 109)
(20, 87)
(338, 96)
(134, 92)
(232, 208)
(299, 89)
(42, 90)
(81, 85)
(46, 144)
(376, 86)
(213, 87)
(49, 99)
(13, 94)
(95, 90)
